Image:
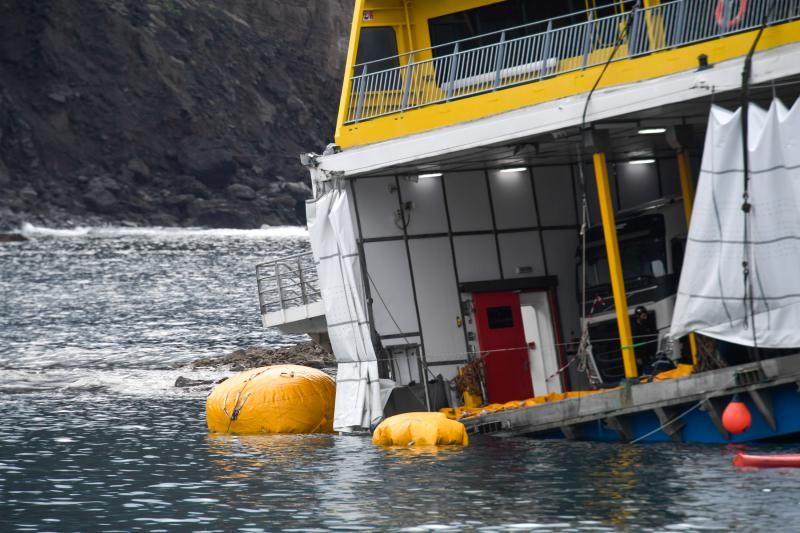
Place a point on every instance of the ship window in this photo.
(474, 24)
(500, 317)
(378, 47)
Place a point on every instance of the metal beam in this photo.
(687, 191)
(615, 265)
(763, 400)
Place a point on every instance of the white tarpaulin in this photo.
(333, 242)
(711, 294)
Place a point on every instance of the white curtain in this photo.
(711, 294)
(333, 242)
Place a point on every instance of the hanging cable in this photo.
(748, 302)
(586, 362)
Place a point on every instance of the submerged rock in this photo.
(186, 382)
(304, 354)
(12, 237)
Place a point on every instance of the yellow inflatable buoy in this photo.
(420, 429)
(273, 399)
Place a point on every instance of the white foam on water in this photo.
(266, 232)
(119, 382)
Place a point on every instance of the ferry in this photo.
(505, 227)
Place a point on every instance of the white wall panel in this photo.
(521, 249)
(427, 214)
(476, 256)
(391, 285)
(555, 195)
(638, 184)
(377, 207)
(561, 247)
(438, 299)
(468, 200)
(512, 195)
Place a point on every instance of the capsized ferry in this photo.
(505, 227)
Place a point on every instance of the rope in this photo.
(689, 410)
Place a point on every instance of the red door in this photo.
(501, 337)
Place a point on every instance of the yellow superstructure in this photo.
(415, 92)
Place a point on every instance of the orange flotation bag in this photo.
(784, 460)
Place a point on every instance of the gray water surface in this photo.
(95, 437)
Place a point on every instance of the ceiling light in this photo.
(431, 175)
(641, 161)
(517, 169)
(652, 131)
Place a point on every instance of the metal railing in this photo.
(287, 282)
(525, 54)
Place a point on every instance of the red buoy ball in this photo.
(736, 418)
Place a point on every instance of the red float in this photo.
(736, 418)
(785, 460)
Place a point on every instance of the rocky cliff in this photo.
(165, 112)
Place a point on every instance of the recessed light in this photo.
(652, 131)
(517, 169)
(641, 161)
(431, 175)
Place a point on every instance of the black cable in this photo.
(746, 206)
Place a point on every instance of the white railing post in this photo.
(499, 60)
(407, 87)
(451, 76)
(547, 50)
(362, 89)
(588, 35)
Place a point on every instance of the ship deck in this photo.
(688, 409)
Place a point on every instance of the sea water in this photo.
(94, 327)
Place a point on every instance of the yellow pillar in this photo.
(352, 49)
(687, 191)
(615, 265)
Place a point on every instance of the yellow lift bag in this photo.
(420, 429)
(273, 399)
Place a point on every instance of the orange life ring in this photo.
(719, 14)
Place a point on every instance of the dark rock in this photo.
(28, 194)
(105, 182)
(224, 218)
(141, 172)
(59, 97)
(186, 382)
(100, 198)
(12, 237)
(214, 167)
(5, 175)
(308, 354)
(242, 192)
(297, 190)
(191, 185)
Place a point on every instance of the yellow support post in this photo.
(615, 265)
(687, 191)
(352, 50)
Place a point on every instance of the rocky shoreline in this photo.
(164, 113)
(308, 354)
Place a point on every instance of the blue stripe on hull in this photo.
(698, 427)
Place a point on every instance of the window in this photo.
(500, 317)
(497, 17)
(378, 47)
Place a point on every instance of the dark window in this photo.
(678, 248)
(473, 24)
(378, 47)
(500, 317)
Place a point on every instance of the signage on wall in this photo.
(369, 15)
